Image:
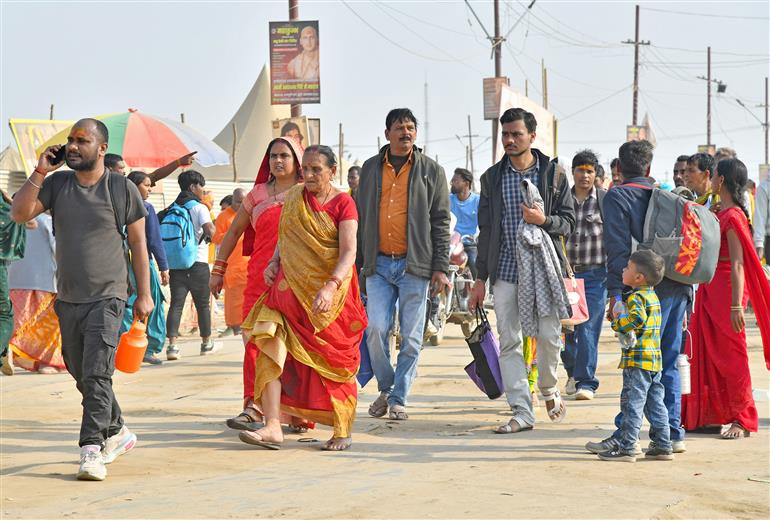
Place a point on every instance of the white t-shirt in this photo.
(200, 216)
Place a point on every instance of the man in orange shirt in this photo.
(235, 277)
(403, 245)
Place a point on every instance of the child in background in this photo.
(642, 388)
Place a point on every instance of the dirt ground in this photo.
(444, 462)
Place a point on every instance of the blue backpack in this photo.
(178, 235)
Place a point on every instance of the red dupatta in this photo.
(755, 279)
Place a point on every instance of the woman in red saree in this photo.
(309, 324)
(257, 220)
(721, 383)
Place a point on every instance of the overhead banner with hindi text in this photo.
(294, 63)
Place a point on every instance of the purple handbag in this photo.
(484, 370)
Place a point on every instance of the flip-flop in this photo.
(297, 428)
(248, 438)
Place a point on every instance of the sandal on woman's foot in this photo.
(297, 428)
(734, 431)
(246, 420)
(255, 439)
(398, 413)
(337, 444)
(558, 411)
(512, 426)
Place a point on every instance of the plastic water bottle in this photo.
(683, 365)
(627, 339)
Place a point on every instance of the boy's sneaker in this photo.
(609, 444)
(91, 464)
(655, 453)
(570, 387)
(615, 455)
(209, 347)
(172, 353)
(118, 444)
(678, 446)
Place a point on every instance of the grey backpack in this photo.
(684, 233)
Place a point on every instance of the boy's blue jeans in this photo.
(643, 393)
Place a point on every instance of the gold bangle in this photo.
(29, 180)
(736, 307)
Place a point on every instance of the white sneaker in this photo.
(120, 443)
(678, 447)
(570, 388)
(584, 394)
(91, 464)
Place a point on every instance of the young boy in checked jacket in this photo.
(641, 363)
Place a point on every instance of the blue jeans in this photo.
(643, 393)
(582, 348)
(672, 310)
(391, 283)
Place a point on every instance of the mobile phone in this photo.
(58, 156)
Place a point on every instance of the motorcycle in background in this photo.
(451, 305)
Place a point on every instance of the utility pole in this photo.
(50, 113)
(341, 151)
(425, 146)
(296, 110)
(379, 146)
(767, 123)
(496, 44)
(181, 117)
(721, 87)
(526, 87)
(470, 135)
(469, 146)
(636, 43)
(545, 83)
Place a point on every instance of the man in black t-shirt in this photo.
(92, 278)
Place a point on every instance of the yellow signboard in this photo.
(30, 134)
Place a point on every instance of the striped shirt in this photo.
(513, 198)
(585, 246)
(643, 318)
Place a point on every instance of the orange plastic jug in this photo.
(131, 348)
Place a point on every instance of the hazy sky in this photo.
(201, 58)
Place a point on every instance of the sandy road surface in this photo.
(442, 463)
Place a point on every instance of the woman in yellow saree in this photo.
(309, 324)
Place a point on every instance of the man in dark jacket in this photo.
(501, 209)
(624, 208)
(403, 245)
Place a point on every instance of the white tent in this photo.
(253, 123)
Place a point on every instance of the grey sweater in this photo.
(427, 216)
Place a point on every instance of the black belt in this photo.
(584, 268)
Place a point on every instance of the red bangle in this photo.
(36, 170)
(220, 263)
(336, 281)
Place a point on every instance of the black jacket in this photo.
(557, 200)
